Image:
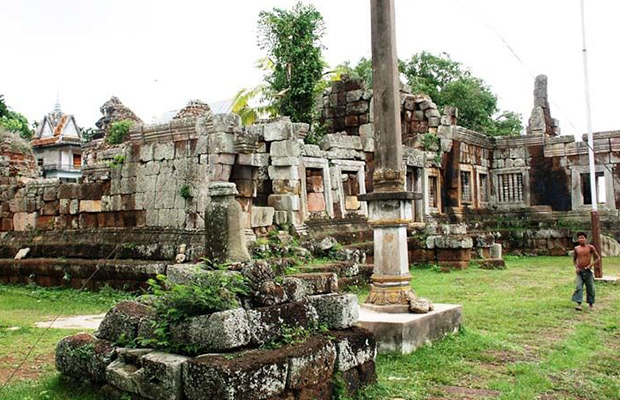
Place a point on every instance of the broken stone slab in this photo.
(337, 311)
(220, 331)
(121, 375)
(256, 375)
(496, 251)
(354, 347)
(22, 253)
(321, 283)
(122, 321)
(269, 323)
(340, 141)
(228, 123)
(82, 356)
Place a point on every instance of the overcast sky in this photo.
(155, 55)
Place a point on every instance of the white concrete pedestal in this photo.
(403, 333)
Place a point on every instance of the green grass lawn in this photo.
(522, 339)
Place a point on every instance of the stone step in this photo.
(74, 272)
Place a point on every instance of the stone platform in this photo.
(613, 280)
(403, 333)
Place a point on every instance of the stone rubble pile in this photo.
(237, 357)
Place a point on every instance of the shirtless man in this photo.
(582, 258)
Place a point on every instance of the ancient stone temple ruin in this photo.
(242, 351)
(147, 196)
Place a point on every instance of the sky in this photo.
(156, 55)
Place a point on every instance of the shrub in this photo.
(118, 131)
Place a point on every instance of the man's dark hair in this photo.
(585, 235)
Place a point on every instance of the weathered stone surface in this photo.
(354, 347)
(312, 363)
(253, 375)
(449, 242)
(278, 130)
(25, 221)
(492, 263)
(121, 322)
(337, 311)
(90, 206)
(121, 375)
(268, 323)
(160, 376)
(224, 233)
(340, 141)
(221, 142)
(284, 202)
(220, 331)
(282, 173)
(262, 216)
(420, 305)
(318, 283)
(226, 122)
(316, 202)
(254, 159)
(285, 148)
(294, 288)
(496, 251)
(82, 356)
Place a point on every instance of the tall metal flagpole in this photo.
(596, 228)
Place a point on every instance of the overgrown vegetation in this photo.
(13, 121)
(175, 303)
(186, 191)
(117, 132)
(521, 339)
(117, 161)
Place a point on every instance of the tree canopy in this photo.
(292, 39)
(449, 83)
(13, 121)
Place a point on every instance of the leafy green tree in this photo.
(13, 121)
(292, 39)
(448, 82)
(117, 133)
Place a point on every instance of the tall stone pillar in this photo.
(389, 204)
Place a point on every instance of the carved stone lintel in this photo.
(390, 290)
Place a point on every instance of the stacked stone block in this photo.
(234, 362)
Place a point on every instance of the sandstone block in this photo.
(226, 123)
(220, 331)
(278, 130)
(312, 150)
(316, 202)
(337, 311)
(254, 159)
(255, 375)
(82, 356)
(354, 347)
(285, 161)
(351, 203)
(121, 322)
(280, 217)
(311, 364)
(160, 377)
(318, 283)
(281, 173)
(221, 142)
(284, 202)
(163, 151)
(262, 216)
(25, 221)
(268, 323)
(340, 141)
(285, 148)
(90, 206)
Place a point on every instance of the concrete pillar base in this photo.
(403, 333)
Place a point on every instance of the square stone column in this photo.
(390, 214)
